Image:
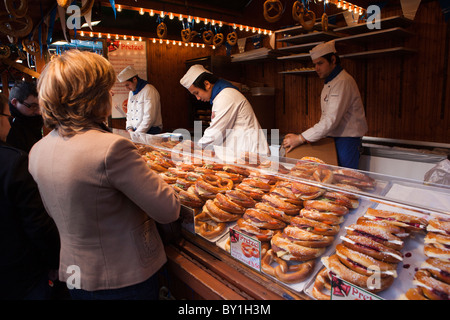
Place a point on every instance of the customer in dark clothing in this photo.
(26, 123)
(29, 240)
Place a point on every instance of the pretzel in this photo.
(324, 22)
(208, 36)
(289, 274)
(280, 204)
(326, 206)
(161, 30)
(287, 195)
(190, 199)
(247, 227)
(31, 47)
(273, 9)
(186, 35)
(209, 230)
(232, 38)
(217, 214)
(274, 212)
(307, 25)
(240, 198)
(297, 10)
(16, 27)
(322, 284)
(305, 191)
(5, 52)
(334, 265)
(218, 39)
(18, 11)
(226, 203)
(261, 219)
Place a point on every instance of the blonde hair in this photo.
(74, 92)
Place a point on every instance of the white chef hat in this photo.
(322, 49)
(192, 75)
(127, 73)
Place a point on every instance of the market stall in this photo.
(277, 226)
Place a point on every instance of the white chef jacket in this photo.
(144, 109)
(234, 125)
(342, 110)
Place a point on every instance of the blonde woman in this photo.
(94, 184)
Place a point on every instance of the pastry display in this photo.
(300, 215)
(432, 280)
(369, 252)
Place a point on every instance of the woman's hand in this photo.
(292, 141)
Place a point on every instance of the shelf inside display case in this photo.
(276, 201)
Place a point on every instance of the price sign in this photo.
(343, 290)
(245, 249)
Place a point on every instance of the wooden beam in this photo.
(21, 68)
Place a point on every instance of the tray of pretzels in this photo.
(392, 252)
(310, 227)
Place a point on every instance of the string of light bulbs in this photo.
(344, 5)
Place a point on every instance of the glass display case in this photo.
(313, 229)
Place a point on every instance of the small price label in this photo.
(245, 249)
(343, 290)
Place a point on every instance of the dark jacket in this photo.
(25, 131)
(29, 240)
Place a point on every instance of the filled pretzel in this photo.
(5, 52)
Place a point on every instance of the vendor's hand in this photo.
(291, 141)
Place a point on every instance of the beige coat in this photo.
(104, 200)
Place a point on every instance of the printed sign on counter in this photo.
(245, 249)
(343, 290)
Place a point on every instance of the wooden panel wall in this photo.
(405, 97)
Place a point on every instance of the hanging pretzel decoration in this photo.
(218, 39)
(273, 9)
(297, 10)
(16, 27)
(324, 22)
(309, 24)
(186, 35)
(208, 36)
(17, 11)
(161, 30)
(232, 38)
(193, 35)
(5, 52)
(31, 47)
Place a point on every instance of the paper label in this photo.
(343, 290)
(245, 249)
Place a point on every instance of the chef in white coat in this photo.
(144, 105)
(234, 125)
(343, 116)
